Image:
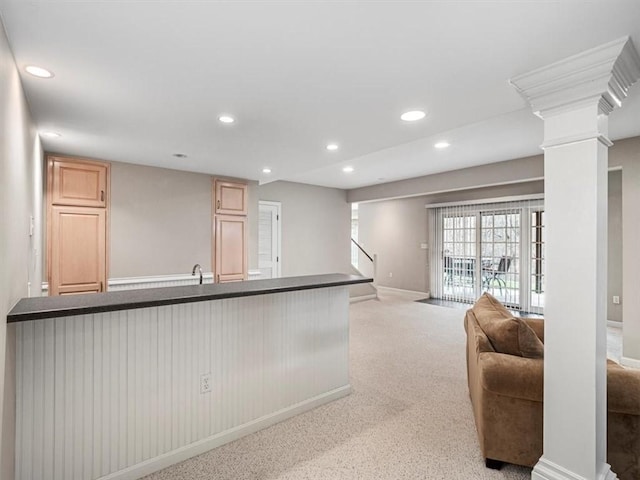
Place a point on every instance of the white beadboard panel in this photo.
(134, 283)
(117, 395)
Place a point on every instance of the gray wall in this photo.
(614, 259)
(511, 171)
(394, 230)
(160, 221)
(628, 155)
(316, 227)
(20, 198)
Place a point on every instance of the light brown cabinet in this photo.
(229, 231)
(77, 250)
(230, 248)
(79, 183)
(230, 198)
(77, 217)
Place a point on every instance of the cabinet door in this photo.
(230, 248)
(230, 198)
(78, 252)
(78, 183)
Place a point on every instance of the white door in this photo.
(269, 256)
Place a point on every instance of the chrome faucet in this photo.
(193, 272)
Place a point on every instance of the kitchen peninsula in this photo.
(121, 384)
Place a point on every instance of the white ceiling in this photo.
(137, 81)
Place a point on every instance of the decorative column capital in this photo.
(599, 76)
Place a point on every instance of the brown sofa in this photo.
(506, 392)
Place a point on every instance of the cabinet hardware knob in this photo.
(218, 205)
(102, 195)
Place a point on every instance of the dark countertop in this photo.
(62, 306)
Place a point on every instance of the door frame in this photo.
(278, 234)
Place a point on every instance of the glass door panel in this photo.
(459, 258)
(537, 261)
(500, 255)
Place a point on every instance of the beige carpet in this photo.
(409, 416)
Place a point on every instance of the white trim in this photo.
(254, 274)
(614, 324)
(277, 272)
(362, 298)
(603, 74)
(175, 456)
(512, 198)
(157, 279)
(548, 470)
(137, 282)
(401, 290)
(629, 362)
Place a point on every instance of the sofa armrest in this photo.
(512, 376)
(623, 389)
(537, 325)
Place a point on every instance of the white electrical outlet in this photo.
(616, 299)
(390, 274)
(205, 383)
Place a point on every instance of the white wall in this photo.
(20, 198)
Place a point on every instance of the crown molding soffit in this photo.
(603, 74)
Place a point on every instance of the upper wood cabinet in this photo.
(230, 198)
(78, 182)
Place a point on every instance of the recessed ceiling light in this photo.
(347, 169)
(413, 115)
(38, 71)
(332, 146)
(180, 155)
(226, 119)
(442, 145)
(266, 170)
(50, 134)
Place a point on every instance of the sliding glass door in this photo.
(481, 248)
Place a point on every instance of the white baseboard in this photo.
(181, 454)
(614, 324)
(362, 298)
(548, 470)
(630, 362)
(413, 292)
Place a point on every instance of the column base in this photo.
(547, 470)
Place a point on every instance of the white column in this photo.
(574, 97)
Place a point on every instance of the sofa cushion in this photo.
(507, 334)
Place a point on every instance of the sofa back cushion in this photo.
(507, 334)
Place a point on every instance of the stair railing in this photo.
(368, 269)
